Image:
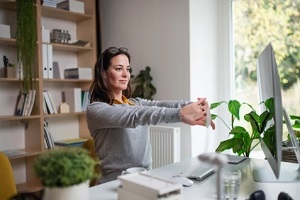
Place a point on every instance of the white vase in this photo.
(75, 192)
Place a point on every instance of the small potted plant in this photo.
(143, 84)
(243, 141)
(65, 173)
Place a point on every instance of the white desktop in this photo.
(206, 189)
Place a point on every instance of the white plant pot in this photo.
(76, 192)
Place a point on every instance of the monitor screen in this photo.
(269, 88)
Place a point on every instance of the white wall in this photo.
(180, 41)
(209, 63)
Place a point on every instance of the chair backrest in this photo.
(90, 146)
(7, 181)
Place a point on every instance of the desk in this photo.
(206, 189)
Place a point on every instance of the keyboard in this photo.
(200, 172)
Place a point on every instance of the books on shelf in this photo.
(13, 153)
(50, 3)
(49, 106)
(74, 142)
(20, 104)
(84, 99)
(25, 103)
(48, 139)
(78, 73)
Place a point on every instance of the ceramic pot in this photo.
(75, 192)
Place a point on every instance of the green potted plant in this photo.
(65, 173)
(26, 38)
(243, 141)
(143, 84)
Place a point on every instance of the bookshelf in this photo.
(26, 133)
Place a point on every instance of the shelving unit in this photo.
(26, 133)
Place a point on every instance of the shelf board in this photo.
(68, 80)
(8, 41)
(13, 117)
(64, 14)
(64, 114)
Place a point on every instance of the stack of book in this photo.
(24, 104)
(50, 3)
(72, 5)
(78, 73)
(74, 142)
(147, 187)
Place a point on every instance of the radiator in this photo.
(165, 142)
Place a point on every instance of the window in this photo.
(255, 24)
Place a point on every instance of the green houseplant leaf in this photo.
(243, 141)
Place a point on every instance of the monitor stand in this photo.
(286, 175)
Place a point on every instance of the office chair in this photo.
(7, 181)
(90, 146)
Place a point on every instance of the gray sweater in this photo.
(121, 134)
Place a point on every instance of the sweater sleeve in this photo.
(167, 104)
(103, 115)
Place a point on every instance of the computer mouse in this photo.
(186, 182)
(257, 195)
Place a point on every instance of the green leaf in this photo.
(234, 108)
(253, 118)
(226, 144)
(213, 116)
(294, 117)
(264, 118)
(269, 139)
(216, 104)
(270, 105)
(296, 126)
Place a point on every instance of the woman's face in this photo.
(118, 74)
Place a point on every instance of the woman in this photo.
(118, 123)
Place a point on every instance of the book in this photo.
(50, 60)
(72, 5)
(48, 103)
(45, 60)
(78, 73)
(13, 153)
(29, 102)
(52, 103)
(48, 137)
(81, 43)
(20, 104)
(56, 73)
(74, 142)
(84, 99)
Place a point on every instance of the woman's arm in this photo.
(103, 115)
(164, 103)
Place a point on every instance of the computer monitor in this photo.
(269, 87)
